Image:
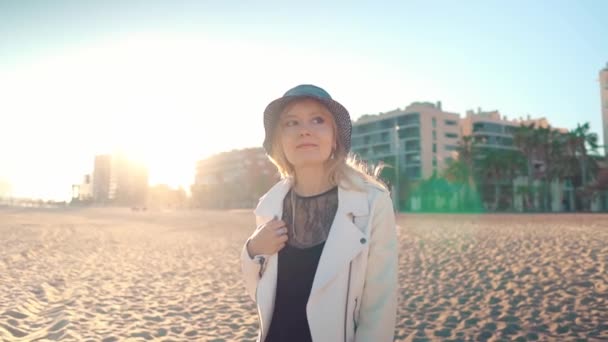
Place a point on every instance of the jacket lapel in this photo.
(269, 206)
(345, 239)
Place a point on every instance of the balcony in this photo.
(409, 133)
(409, 120)
(413, 145)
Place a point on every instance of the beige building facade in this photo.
(493, 130)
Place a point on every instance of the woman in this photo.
(322, 263)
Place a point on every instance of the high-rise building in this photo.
(491, 130)
(102, 169)
(119, 180)
(488, 129)
(604, 97)
(128, 181)
(422, 135)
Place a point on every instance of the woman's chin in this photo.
(309, 162)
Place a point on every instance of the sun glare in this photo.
(166, 100)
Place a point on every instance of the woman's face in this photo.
(307, 133)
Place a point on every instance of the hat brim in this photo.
(339, 112)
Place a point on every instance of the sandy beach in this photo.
(117, 275)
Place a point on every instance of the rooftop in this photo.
(414, 107)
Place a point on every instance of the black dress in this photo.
(297, 264)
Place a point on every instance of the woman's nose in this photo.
(304, 130)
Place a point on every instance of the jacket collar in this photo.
(349, 201)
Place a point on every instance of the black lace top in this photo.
(298, 262)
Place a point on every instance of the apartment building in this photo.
(492, 130)
(422, 136)
(118, 180)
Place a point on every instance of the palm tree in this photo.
(584, 142)
(461, 172)
(526, 139)
(456, 173)
(579, 143)
(543, 153)
(556, 159)
(499, 167)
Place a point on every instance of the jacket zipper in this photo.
(257, 301)
(257, 305)
(354, 314)
(350, 265)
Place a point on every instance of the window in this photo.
(434, 161)
(487, 127)
(434, 148)
(451, 135)
(412, 158)
(413, 172)
(410, 132)
(381, 149)
(434, 135)
(450, 123)
(451, 148)
(434, 123)
(409, 119)
(481, 139)
(360, 151)
(412, 145)
(384, 137)
(388, 123)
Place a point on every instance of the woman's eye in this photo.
(290, 123)
(318, 120)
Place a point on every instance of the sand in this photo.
(117, 275)
(503, 277)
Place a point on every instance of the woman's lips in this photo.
(306, 145)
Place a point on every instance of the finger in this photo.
(281, 246)
(274, 224)
(281, 231)
(283, 238)
(278, 223)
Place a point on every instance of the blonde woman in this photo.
(322, 263)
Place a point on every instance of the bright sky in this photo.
(175, 81)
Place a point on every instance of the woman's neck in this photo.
(310, 181)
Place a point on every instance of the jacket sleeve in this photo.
(378, 313)
(252, 267)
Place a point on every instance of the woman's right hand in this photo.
(269, 239)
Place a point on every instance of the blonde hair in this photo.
(343, 169)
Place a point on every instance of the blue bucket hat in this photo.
(341, 117)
